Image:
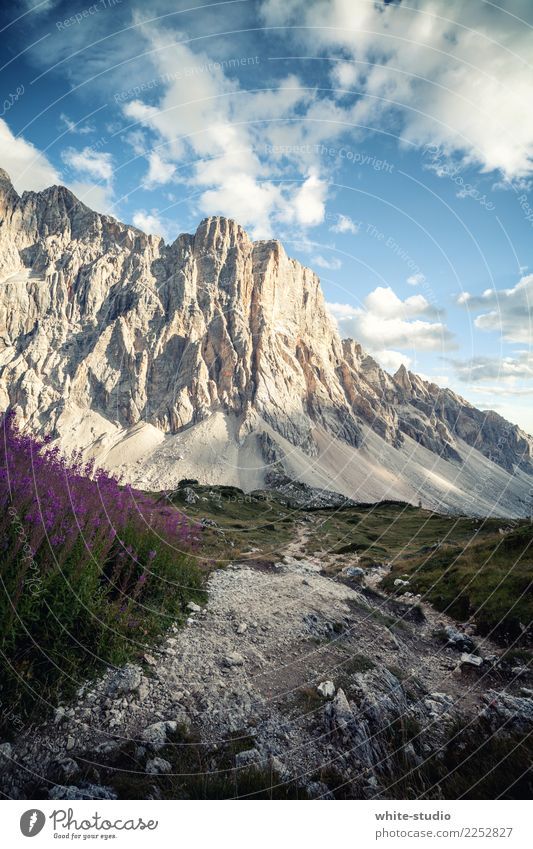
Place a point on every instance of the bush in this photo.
(91, 571)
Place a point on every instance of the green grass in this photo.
(489, 579)
(83, 620)
(79, 622)
(357, 663)
(199, 772)
(388, 531)
(245, 521)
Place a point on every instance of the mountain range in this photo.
(215, 358)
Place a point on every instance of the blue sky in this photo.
(389, 145)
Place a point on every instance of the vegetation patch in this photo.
(489, 580)
(197, 771)
(91, 573)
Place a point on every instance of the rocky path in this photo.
(247, 667)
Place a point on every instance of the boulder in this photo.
(124, 681)
(471, 660)
(521, 671)
(190, 496)
(233, 659)
(86, 791)
(326, 689)
(68, 768)
(156, 735)
(248, 758)
(353, 572)
(514, 713)
(458, 640)
(158, 766)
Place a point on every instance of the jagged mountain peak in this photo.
(5, 178)
(215, 357)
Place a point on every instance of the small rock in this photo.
(193, 607)
(208, 523)
(158, 766)
(458, 640)
(411, 755)
(318, 790)
(326, 689)
(190, 496)
(70, 743)
(126, 680)
(143, 691)
(69, 768)
(353, 572)
(242, 628)
(513, 712)
(471, 660)
(399, 583)
(6, 750)
(250, 757)
(182, 719)
(156, 734)
(233, 659)
(87, 791)
(520, 671)
(279, 768)
(339, 715)
(59, 715)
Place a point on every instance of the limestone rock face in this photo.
(140, 353)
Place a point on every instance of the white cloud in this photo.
(322, 262)
(508, 311)
(241, 197)
(308, 202)
(416, 279)
(137, 140)
(503, 391)
(439, 379)
(345, 74)
(159, 171)
(225, 145)
(507, 369)
(73, 127)
(28, 168)
(148, 222)
(384, 302)
(385, 322)
(345, 224)
(392, 360)
(93, 163)
(445, 71)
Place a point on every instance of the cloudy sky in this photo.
(388, 144)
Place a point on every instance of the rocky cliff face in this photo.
(215, 357)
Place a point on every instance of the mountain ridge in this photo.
(216, 354)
